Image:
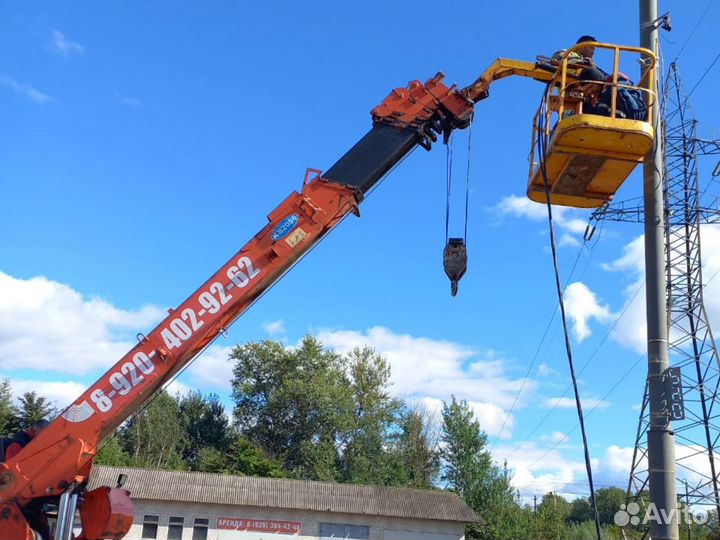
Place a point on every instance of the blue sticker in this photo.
(285, 226)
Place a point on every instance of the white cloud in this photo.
(212, 369)
(582, 306)
(176, 387)
(131, 102)
(433, 370)
(563, 217)
(540, 468)
(545, 370)
(568, 240)
(63, 46)
(632, 333)
(274, 328)
(569, 403)
(46, 325)
(24, 89)
(554, 437)
(62, 393)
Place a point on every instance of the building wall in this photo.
(379, 527)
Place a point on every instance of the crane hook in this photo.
(455, 262)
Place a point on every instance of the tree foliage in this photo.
(8, 411)
(309, 412)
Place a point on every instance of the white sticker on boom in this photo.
(295, 237)
(78, 413)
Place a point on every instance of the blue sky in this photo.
(143, 144)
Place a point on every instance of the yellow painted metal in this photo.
(588, 156)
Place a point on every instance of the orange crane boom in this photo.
(57, 462)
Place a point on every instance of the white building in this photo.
(177, 505)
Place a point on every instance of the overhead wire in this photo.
(692, 33)
(702, 77)
(580, 372)
(535, 356)
(592, 409)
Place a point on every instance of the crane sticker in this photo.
(284, 227)
(78, 413)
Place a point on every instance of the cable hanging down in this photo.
(542, 143)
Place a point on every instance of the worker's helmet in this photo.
(583, 39)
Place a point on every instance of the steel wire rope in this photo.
(448, 183)
(542, 142)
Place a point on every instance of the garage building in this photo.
(179, 505)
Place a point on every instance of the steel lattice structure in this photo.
(692, 344)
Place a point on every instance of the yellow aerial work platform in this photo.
(585, 158)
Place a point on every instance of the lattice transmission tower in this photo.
(693, 350)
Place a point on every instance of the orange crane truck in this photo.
(43, 487)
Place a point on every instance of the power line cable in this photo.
(697, 24)
(702, 78)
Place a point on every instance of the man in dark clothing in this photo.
(9, 447)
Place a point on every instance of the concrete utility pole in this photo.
(661, 439)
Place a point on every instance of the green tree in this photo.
(366, 457)
(33, 408)
(580, 510)
(551, 515)
(205, 424)
(466, 462)
(8, 412)
(418, 446)
(155, 437)
(247, 459)
(608, 502)
(112, 453)
(290, 402)
(468, 469)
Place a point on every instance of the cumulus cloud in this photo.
(64, 46)
(545, 370)
(46, 325)
(563, 217)
(274, 328)
(212, 369)
(582, 306)
(24, 90)
(569, 403)
(62, 393)
(632, 333)
(536, 470)
(433, 370)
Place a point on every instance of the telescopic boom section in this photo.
(61, 456)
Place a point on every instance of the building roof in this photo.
(289, 494)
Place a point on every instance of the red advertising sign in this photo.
(261, 525)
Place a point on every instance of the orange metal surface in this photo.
(106, 513)
(416, 104)
(63, 452)
(13, 525)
